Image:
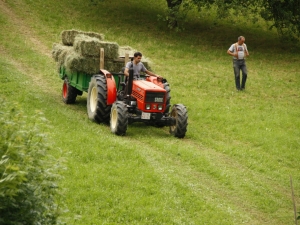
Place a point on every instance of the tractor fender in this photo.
(111, 87)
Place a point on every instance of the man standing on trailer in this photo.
(239, 51)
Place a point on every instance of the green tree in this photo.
(173, 12)
(283, 14)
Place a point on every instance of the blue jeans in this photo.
(240, 65)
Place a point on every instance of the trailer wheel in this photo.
(118, 118)
(69, 93)
(98, 110)
(179, 112)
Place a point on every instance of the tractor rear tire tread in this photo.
(102, 111)
(179, 112)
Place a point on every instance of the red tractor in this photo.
(114, 99)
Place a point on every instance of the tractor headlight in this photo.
(148, 106)
(160, 107)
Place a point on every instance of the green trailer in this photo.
(75, 83)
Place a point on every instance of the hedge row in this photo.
(28, 174)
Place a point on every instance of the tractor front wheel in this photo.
(179, 112)
(97, 107)
(118, 118)
(69, 93)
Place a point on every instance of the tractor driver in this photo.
(138, 67)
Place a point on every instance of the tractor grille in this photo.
(157, 97)
(137, 95)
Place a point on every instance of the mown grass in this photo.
(233, 167)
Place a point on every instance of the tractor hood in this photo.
(139, 85)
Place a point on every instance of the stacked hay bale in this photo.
(68, 36)
(80, 52)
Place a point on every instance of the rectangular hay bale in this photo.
(68, 36)
(73, 62)
(59, 51)
(126, 49)
(113, 66)
(90, 47)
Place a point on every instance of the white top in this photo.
(240, 49)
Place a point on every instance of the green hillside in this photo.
(240, 150)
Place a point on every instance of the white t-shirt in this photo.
(241, 49)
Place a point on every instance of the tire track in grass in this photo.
(23, 29)
(255, 184)
(201, 186)
(16, 26)
(238, 167)
(262, 165)
(37, 79)
(238, 174)
(205, 186)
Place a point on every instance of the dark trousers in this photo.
(240, 65)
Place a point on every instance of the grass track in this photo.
(233, 167)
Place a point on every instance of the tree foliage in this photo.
(173, 12)
(283, 14)
(28, 174)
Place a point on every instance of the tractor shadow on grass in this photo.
(140, 129)
(80, 103)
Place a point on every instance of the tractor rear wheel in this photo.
(179, 112)
(97, 107)
(118, 118)
(69, 93)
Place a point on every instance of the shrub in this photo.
(28, 174)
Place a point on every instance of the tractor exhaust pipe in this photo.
(129, 90)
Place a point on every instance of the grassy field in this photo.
(235, 163)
